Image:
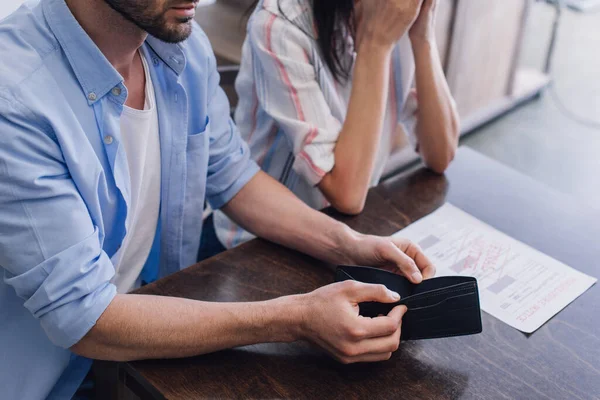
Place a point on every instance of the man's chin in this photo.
(176, 33)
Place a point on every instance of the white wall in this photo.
(8, 6)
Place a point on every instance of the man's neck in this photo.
(116, 37)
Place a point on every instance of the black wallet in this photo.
(437, 307)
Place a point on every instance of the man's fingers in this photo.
(360, 292)
(362, 339)
(423, 262)
(413, 251)
(397, 313)
(395, 255)
(370, 358)
(381, 326)
(373, 349)
(368, 328)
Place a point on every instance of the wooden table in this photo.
(559, 361)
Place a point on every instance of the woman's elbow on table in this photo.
(440, 163)
(346, 198)
(349, 206)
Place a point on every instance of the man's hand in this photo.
(423, 29)
(331, 321)
(394, 254)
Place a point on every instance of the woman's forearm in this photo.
(347, 184)
(437, 117)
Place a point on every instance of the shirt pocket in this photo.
(197, 157)
(197, 142)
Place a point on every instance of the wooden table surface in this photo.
(559, 361)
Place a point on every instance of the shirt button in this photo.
(116, 91)
(155, 61)
(92, 96)
(108, 139)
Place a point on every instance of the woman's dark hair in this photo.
(334, 19)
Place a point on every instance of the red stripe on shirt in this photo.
(307, 158)
(282, 70)
(311, 136)
(293, 92)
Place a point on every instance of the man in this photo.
(113, 130)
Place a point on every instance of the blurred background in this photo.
(8, 6)
(525, 75)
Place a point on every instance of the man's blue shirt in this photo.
(65, 190)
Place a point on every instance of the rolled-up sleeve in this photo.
(289, 92)
(50, 249)
(230, 167)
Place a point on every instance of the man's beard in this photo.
(154, 23)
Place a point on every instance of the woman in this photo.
(327, 87)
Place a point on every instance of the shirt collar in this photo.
(171, 54)
(94, 72)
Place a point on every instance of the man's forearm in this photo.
(143, 327)
(282, 218)
(437, 119)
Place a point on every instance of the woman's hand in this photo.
(384, 22)
(423, 28)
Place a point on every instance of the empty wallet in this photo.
(437, 307)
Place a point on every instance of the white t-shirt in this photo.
(139, 133)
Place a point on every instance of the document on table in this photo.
(517, 284)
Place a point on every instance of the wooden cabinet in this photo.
(480, 43)
(486, 36)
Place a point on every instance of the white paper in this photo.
(517, 284)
